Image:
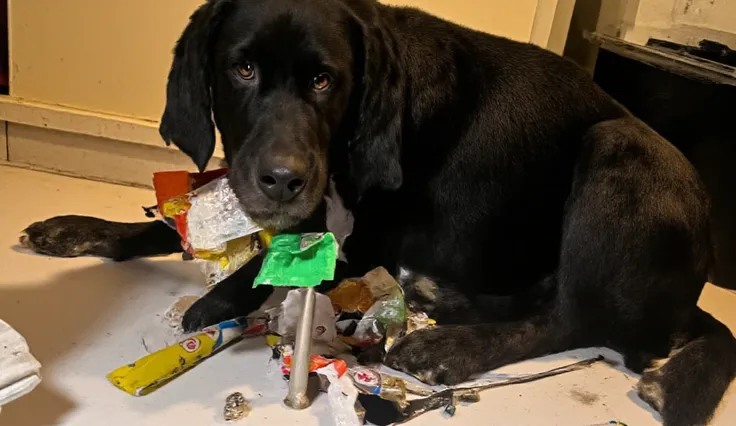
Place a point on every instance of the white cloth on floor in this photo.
(20, 372)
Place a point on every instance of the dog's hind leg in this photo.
(72, 236)
(686, 388)
(635, 256)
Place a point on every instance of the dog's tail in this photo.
(687, 387)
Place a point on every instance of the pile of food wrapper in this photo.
(213, 226)
(357, 315)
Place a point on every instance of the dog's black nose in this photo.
(281, 183)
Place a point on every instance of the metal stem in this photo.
(297, 396)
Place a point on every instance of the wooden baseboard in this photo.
(92, 157)
(86, 144)
(57, 117)
(4, 163)
(3, 141)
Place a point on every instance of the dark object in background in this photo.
(710, 50)
(689, 100)
(379, 411)
(4, 59)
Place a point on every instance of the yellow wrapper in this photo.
(237, 253)
(219, 264)
(265, 237)
(154, 370)
(176, 206)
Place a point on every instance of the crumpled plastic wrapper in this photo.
(351, 296)
(218, 265)
(386, 316)
(299, 260)
(343, 398)
(316, 362)
(214, 228)
(236, 407)
(418, 321)
(216, 217)
(370, 381)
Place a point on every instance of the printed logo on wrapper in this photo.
(367, 380)
(190, 345)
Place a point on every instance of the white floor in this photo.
(85, 317)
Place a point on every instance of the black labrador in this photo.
(519, 204)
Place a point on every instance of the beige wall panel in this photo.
(92, 157)
(106, 56)
(509, 18)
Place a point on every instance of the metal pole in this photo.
(297, 396)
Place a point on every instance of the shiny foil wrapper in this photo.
(216, 217)
(236, 407)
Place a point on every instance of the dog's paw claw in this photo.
(25, 241)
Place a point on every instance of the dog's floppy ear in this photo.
(375, 151)
(187, 119)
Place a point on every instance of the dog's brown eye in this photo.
(321, 82)
(247, 71)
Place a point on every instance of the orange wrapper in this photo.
(351, 296)
(315, 363)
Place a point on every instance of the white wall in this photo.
(685, 21)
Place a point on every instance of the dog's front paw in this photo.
(441, 355)
(232, 298)
(69, 236)
(208, 311)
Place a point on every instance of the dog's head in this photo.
(299, 89)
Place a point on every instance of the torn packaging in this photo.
(343, 398)
(384, 411)
(212, 224)
(285, 317)
(351, 296)
(156, 369)
(295, 260)
(386, 316)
